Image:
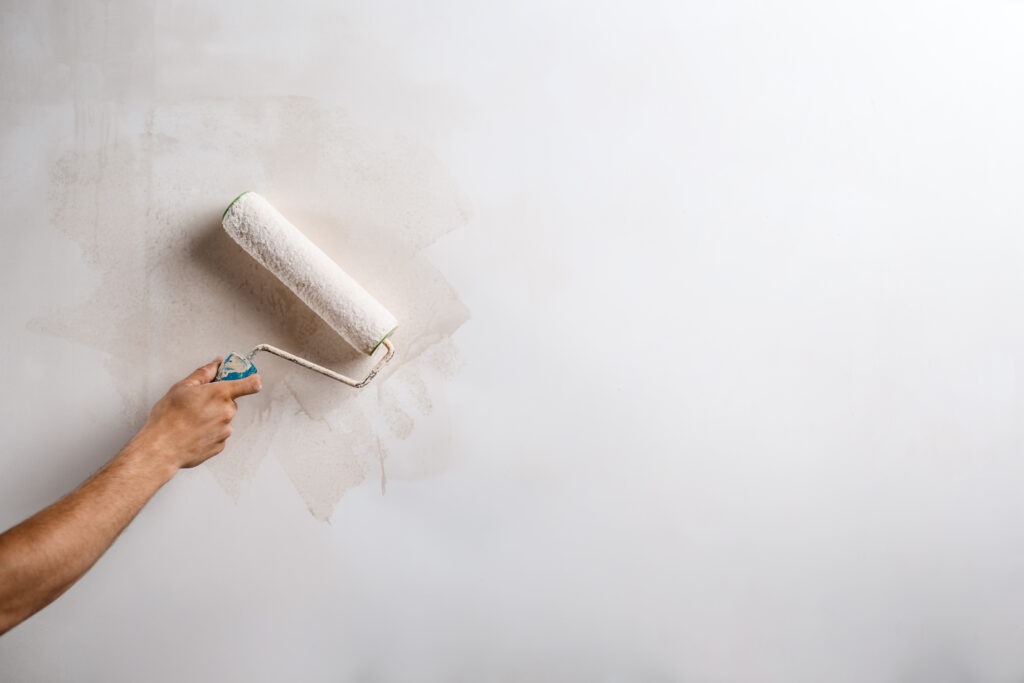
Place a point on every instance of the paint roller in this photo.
(322, 285)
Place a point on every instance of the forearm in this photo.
(44, 555)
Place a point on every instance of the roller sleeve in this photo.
(316, 279)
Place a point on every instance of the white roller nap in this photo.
(320, 282)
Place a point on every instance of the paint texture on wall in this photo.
(740, 399)
(143, 194)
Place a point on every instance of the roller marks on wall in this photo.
(142, 192)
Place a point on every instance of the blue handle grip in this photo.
(235, 366)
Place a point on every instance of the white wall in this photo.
(710, 350)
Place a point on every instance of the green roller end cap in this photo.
(390, 332)
(233, 203)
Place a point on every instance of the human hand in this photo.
(192, 422)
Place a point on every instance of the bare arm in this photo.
(44, 555)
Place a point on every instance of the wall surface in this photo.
(708, 365)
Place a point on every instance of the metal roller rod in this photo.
(309, 365)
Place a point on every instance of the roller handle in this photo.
(235, 366)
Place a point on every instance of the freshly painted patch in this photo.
(143, 195)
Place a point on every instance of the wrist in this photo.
(150, 455)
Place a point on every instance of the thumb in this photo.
(243, 387)
(203, 375)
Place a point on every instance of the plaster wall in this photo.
(709, 347)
